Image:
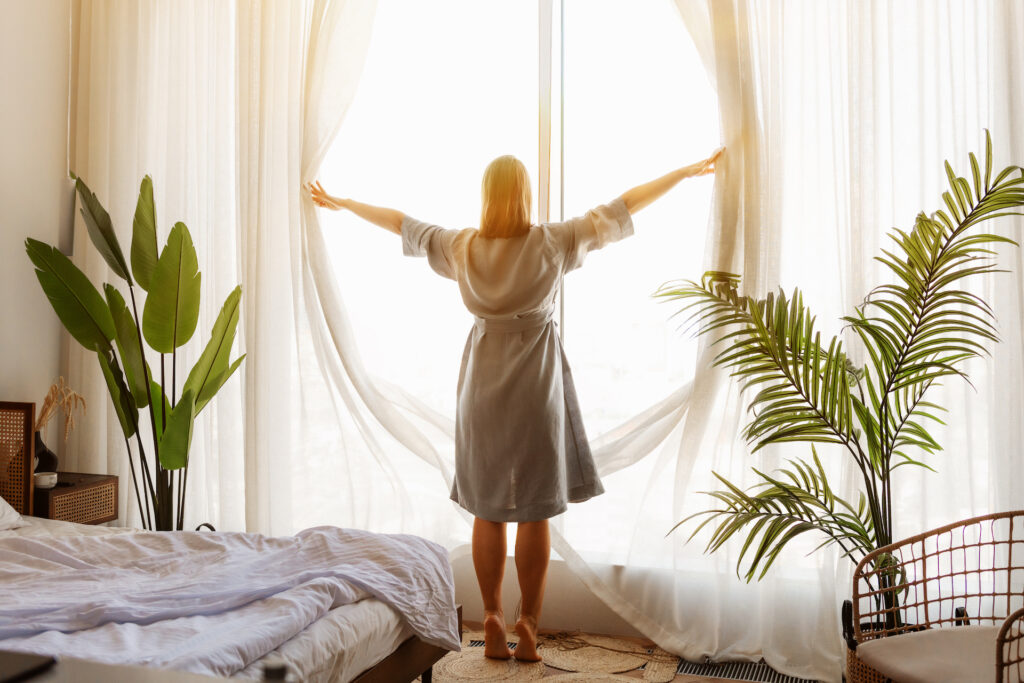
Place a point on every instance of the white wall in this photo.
(35, 195)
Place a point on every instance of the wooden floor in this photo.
(680, 678)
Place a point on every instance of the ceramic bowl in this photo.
(45, 480)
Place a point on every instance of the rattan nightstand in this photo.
(81, 498)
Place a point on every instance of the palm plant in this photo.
(105, 325)
(915, 332)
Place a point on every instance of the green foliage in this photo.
(144, 246)
(172, 308)
(74, 298)
(128, 347)
(914, 333)
(170, 316)
(101, 231)
(177, 437)
(124, 405)
(212, 369)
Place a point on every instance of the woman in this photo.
(521, 453)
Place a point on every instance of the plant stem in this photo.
(149, 478)
(135, 482)
(163, 385)
(145, 371)
(888, 442)
(181, 502)
(135, 425)
(174, 377)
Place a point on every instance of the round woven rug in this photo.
(587, 657)
(662, 667)
(471, 665)
(594, 654)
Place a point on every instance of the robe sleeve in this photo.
(432, 241)
(600, 226)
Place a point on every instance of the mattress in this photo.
(337, 647)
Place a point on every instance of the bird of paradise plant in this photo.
(170, 277)
(915, 331)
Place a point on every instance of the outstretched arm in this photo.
(643, 195)
(389, 219)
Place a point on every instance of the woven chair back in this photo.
(967, 572)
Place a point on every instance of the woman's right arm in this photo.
(389, 219)
(643, 195)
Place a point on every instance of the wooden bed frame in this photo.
(412, 659)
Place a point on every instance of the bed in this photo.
(332, 604)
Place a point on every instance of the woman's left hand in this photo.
(321, 198)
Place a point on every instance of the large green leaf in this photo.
(177, 437)
(144, 245)
(172, 307)
(124, 406)
(128, 346)
(214, 360)
(101, 231)
(212, 387)
(76, 301)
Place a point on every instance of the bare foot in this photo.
(526, 650)
(495, 640)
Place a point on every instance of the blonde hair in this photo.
(505, 198)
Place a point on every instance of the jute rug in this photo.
(567, 657)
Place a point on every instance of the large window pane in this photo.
(637, 104)
(448, 86)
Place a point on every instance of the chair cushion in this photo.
(961, 654)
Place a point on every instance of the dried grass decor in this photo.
(64, 398)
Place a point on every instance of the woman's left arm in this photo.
(389, 219)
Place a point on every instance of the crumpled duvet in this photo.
(210, 603)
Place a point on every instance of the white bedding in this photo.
(37, 527)
(215, 603)
(347, 641)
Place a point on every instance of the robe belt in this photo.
(528, 321)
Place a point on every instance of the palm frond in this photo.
(778, 509)
(802, 384)
(921, 328)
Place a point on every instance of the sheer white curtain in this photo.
(152, 92)
(224, 105)
(837, 117)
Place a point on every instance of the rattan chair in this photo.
(970, 574)
(1010, 649)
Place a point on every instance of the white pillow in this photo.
(9, 517)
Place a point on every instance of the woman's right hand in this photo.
(320, 197)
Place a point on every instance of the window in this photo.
(451, 84)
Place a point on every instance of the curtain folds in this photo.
(837, 117)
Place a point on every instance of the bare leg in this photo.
(533, 549)
(489, 562)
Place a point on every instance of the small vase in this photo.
(46, 460)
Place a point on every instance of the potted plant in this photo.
(105, 324)
(914, 331)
